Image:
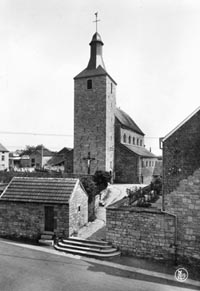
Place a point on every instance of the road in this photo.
(23, 269)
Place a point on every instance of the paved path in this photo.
(26, 267)
(96, 230)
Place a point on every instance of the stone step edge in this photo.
(86, 244)
(89, 254)
(83, 248)
(75, 238)
(46, 241)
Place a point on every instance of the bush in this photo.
(90, 187)
(101, 179)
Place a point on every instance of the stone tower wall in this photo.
(94, 124)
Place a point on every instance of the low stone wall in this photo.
(26, 220)
(149, 232)
(141, 232)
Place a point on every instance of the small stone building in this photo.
(181, 151)
(30, 207)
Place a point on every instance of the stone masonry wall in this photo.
(126, 166)
(185, 203)
(181, 154)
(94, 124)
(26, 220)
(140, 232)
(78, 210)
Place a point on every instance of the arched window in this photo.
(137, 141)
(89, 84)
(133, 140)
(141, 142)
(129, 139)
(124, 138)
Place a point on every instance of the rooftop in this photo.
(2, 148)
(140, 151)
(127, 121)
(39, 190)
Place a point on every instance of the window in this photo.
(146, 163)
(129, 139)
(111, 88)
(137, 141)
(141, 142)
(79, 208)
(89, 84)
(124, 138)
(3, 158)
(133, 140)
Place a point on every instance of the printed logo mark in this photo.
(181, 274)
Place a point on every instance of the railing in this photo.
(143, 197)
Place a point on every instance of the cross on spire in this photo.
(96, 20)
(89, 160)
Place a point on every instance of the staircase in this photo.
(46, 239)
(89, 248)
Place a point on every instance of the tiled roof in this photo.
(40, 190)
(140, 151)
(127, 121)
(2, 148)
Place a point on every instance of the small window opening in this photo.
(89, 84)
(124, 138)
(79, 208)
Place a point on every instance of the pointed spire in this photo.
(96, 58)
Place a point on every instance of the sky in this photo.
(151, 49)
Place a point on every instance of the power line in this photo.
(53, 134)
(35, 133)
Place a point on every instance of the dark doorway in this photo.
(49, 218)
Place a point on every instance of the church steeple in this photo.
(96, 58)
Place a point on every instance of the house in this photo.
(181, 151)
(4, 158)
(105, 137)
(40, 157)
(30, 207)
(62, 161)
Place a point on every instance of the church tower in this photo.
(94, 114)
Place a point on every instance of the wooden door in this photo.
(49, 218)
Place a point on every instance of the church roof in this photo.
(39, 190)
(140, 151)
(127, 121)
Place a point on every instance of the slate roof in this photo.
(2, 148)
(39, 190)
(140, 151)
(127, 121)
(99, 71)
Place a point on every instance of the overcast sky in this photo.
(151, 49)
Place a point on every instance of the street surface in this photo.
(23, 269)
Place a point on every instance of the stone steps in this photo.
(83, 247)
(46, 239)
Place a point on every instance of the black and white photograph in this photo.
(99, 145)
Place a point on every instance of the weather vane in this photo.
(96, 20)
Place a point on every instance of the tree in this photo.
(101, 179)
